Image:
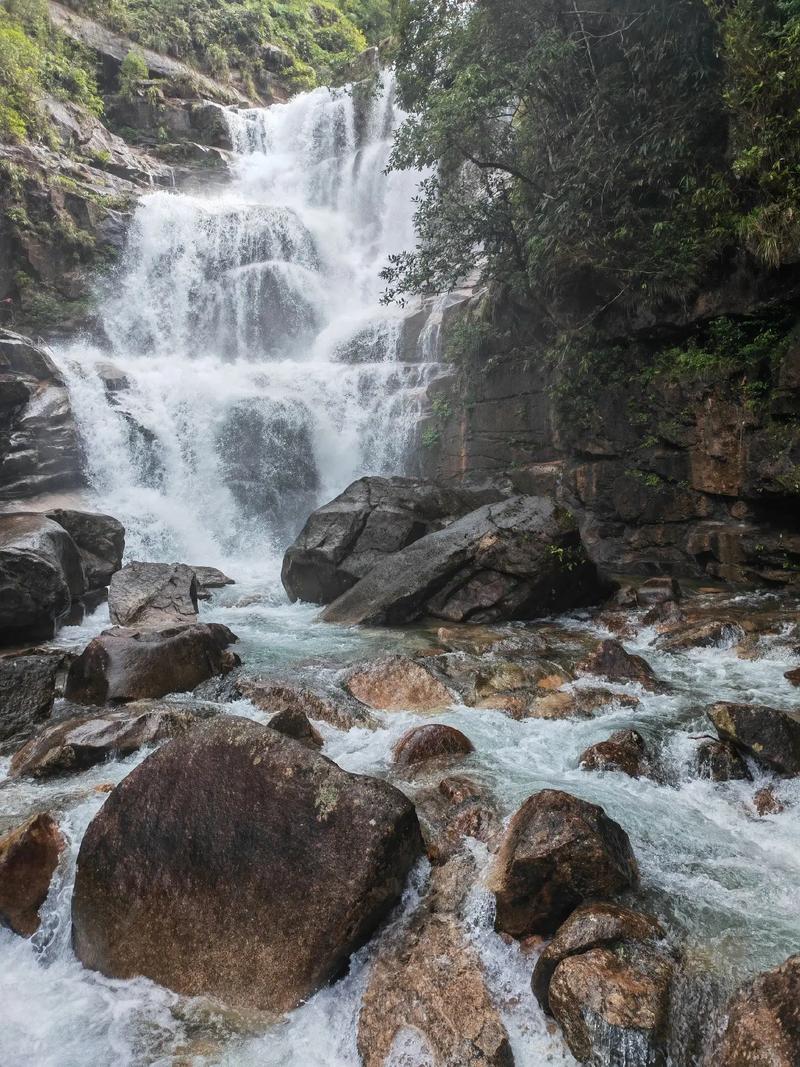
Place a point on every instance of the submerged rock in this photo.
(28, 859)
(762, 1022)
(624, 751)
(77, 743)
(434, 741)
(122, 665)
(267, 867)
(41, 573)
(610, 660)
(771, 736)
(398, 683)
(27, 692)
(100, 540)
(766, 802)
(153, 595)
(518, 559)
(557, 852)
(372, 519)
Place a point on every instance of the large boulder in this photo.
(771, 736)
(720, 762)
(762, 1024)
(434, 741)
(624, 751)
(398, 683)
(122, 665)
(28, 858)
(77, 743)
(517, 559)
(372, 519)
(558, 851)
(39, 447)
(266, 867)
(41, 573)
(610, 660)
(153, 595)
(100, 540)
(27, 692)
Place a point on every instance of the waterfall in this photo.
(255, 371)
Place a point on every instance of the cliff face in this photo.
(677, 444)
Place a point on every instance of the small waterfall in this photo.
(262, 373)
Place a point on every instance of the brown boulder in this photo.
(153, 595)
(624, 751)
(294, 723)
(718, 634)
(793, 676)
(766, 803)
(79, 743)
(771, 736)
(336, 708)
(611, 661)
(720, 762)
(457, 789)
(580, 703)
(596, 925)
(123, 665)
(433, 741)
(398, 684)
(28, 858)
(762, 1027)
(267, 867)
(557, 852)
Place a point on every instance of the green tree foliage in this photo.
(132, 73)
(597, 155)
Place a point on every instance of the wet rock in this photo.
(449, 812)
(398, 684)
(613, 1006)
(458, 789)
(27, 692)
(28, 859)
(518, 559)
(771, 736)
(75, 744)
(252, 829)
(666, 615)
(717, 634)
(122, 665)
(40, 575)
(428, 979)
(208, 579)
(611, 661)
(294, 723)
(153, 595)
(496, 675)
(114, 379)
(762, 1022)
(720, 762)
(793, 676)
(557, 852)
(372, 519)
(434, 741)
(766, 803)
(624, 751)
(581, 703)
(596, 925)
(100, 540)
(657, 591)
(336, 708)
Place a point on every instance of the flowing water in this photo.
(262, 376)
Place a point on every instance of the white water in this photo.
(234, 319)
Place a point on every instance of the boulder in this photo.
(267, 867)
(557, 852)
(372, 519)
(793, 676)
(611, 661)
(657, 591)
(664, 616)
(715, 634)
(450, 811)
(434, 741)
(624, 751)
(153, 595)
(122, 665)
(767, 803)
(100, 540)
(398, 683)
(333, 706)
(762, 1022)
(580, 703)
(518, 559)
(28, 859)
(720, 762)
(457, 789)
(27, 692)
(294, 723)
(596, 925)
(771, 736)
(82, 741)
(208, 579)
(40, 574)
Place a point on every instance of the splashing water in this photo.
(260, 373)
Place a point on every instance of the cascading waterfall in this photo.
(261, 373)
